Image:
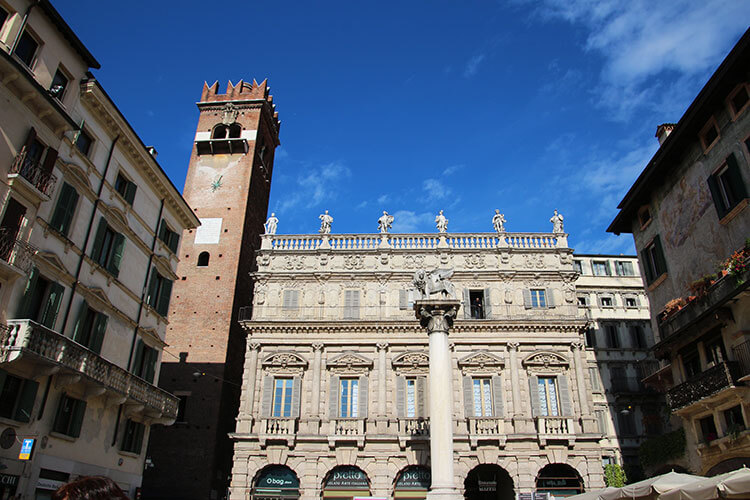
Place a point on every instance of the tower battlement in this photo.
(242, 91)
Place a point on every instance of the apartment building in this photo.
(89, 233)
(688, 215)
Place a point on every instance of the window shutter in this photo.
(96, 249)
(49, 160)
(468, 397)
(130, 192)
(608, 268)
(26, 401)
(550, 298)
(152, 356)
(660, 262)
(534, 396)
(421, 396)
(79, 410)
(363, 396)
(466, 304)
(594, 375)
(527, 298)
(295, 299)
(735, 179)
(497, 395)
(355, 304)
(333, 398)
(646, 265)
(52, 306)
(137, 368)
(174, 242)
(116, 259)
(296, 396)
(64, 210)
(400, 396)
(30, 138)
(562, 389)
(267, 397)
(487, 303)
(403, 299)
(600, 417)
(24, 308)
(153, 287)
(97, 337)
(80, 320)
(164, 295)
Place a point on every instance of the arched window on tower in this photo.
(234, 131)
(220, 132)
(203, 259)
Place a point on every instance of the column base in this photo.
(444, 493)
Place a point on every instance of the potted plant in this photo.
(672, 307)
(700, 286)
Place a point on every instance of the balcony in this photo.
(45, 351)
(275, 429)
(31, 170)
(708, 383)
(486, 429)
(16, 253)
(347, 429)
(555, 429)
(221, 146)
(413, 428)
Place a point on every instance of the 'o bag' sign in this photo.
(348, 477)
(414, 478)
(277, 478)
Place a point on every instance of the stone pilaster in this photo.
(588, 422)
(245, 418)
(314, 417)
(382, 416)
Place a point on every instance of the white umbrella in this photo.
(651, 487)
(705, 489)
(737, 485)
(591, 495)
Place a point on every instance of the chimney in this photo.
(152, 151)
(663, 131)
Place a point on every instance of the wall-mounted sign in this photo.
(27, 446)
(8, 480)
(414, 478)
(347, 477)
(277, 477)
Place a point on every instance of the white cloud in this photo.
(407, 221)
(472, 65)
(453, 169)
(435, 190)
(316, 185)
(383, 198)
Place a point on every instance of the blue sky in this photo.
(413, 107)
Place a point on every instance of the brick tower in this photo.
(227, 185)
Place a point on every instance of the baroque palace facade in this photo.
(335, 392)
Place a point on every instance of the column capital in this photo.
(254, 346)
(577, 346)
(382, 346)
(436, 315)
(513, 346)
(317, 346)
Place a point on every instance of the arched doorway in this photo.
(560, 480)
(728, 466)
(488, 482)
(346, 482)
(413, 483)
(276, 482)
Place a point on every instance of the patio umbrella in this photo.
(650, 488)
(735, 484)
(591, 495)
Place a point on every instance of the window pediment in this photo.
(52, 264)
(414, 362)
(481, 362)
(349, 363)
(164, 267)
(117, 217)
(284, 362)
(545, 359)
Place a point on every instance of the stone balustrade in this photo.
(486, 426)
(348, 426)
(25, 338)
(457, 241)
(413, 426)
(555, 426)
(279, 426)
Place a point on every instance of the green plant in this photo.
(661, 449)
(733, 431)
(614, 475)
(700, 286)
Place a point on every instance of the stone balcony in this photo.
(346, 429)
(413, 429)
(277, 429)
(38, 350)
(555, 429)
(486, 429)
(34, 174)
(706, 384)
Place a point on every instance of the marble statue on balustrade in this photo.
(498, 221)
(441, 222)
(434, 284)
(325, 223)
(557, 223)
(271, 224)
(385, 222)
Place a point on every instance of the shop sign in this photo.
(26, 447)
(487, 485)
(559, 482)
(278, 478)
(415, 478)
(48, 484)
(348, 478)
(8, 480)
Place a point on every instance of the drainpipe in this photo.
(24, 21)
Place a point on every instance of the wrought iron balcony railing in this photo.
(709, 382)
(31, 170)
(25, 338)
(15, 252)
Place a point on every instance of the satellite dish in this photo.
(7, 438)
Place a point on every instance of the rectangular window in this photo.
(59, 84)
(84, 142)
(41, 300)
(349, 398)
(132, 437)
(613, 339)
(595, 381)
(90, 328)
(644, 216)
(538, 298)
(169, 237)
(291, 300)
(108, 248)
(727, 187)
(715, 351)
(708, 428)
(626, 421)
(548, 402)
(159, 292)
(577, 266)
(734, 419)
(3, 17)
(26, 49)
(652, 421)
(637, 338)
(605, 301)
(590, 337)
(691, 362)
(709, 134)
(351, 304)
(631, 302)
(738, 99)
(282, 397)
(126, 189)
(144, 363)
(69, 416)
(583, 301)
(411, 397)
(652, 258)
(65, 209)
(476, 298)
(17, 397)
(482, 397)
(624, 268)
(601, 418)
(601, 268)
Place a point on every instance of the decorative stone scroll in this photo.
(412, 363)
(546, 359)
(349, 363)
(481, 363)
(287, 363)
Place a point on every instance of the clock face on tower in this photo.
(216, 184)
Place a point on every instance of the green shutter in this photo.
(76, 418)
(163, 230)
(153, 288)
(661, 264)
(174, 241)
(80, 322)
(150, 357)
(26, 401)
(646, 266)
(713, 186)
(96, 249)
(49, 313)
(116, 259)
(97, 335)
(130, 192)
(164, 295)
(60, 424)
(24, 308)
(137, 367)
(66, 205)
(735, 179)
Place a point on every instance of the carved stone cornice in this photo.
(545, 359)
(349, 363)
(284, 363)
(481, 363)
(412, 363)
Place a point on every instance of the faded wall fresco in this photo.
(683, 207)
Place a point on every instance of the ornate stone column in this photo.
(587, 419)
(437, 317)
(315, 401)
(245, 418)
(382, 390)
